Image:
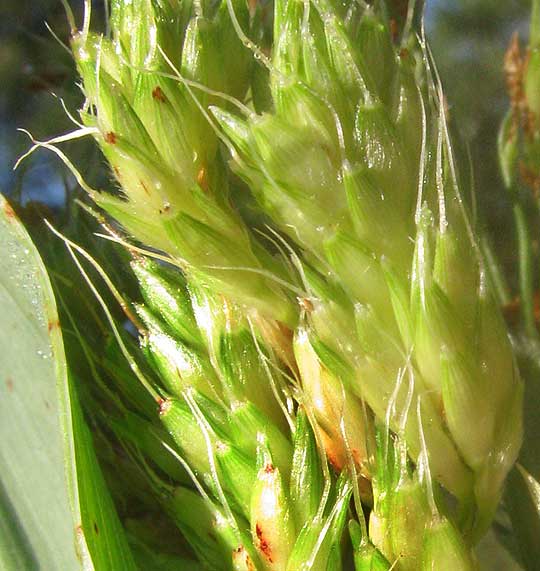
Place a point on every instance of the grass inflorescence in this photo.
(330, 379)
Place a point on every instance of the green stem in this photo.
(525, 270)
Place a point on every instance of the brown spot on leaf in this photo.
(202, 179)
(47, 405)
(166, 208)
(9, 384)
(8, 210)
(53, 324)
(96, 529)
(158, 95)
(110, 138)
(269, 468)
(262, 543)
(145, 188)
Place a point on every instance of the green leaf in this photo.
(37, 527)
(100, 535)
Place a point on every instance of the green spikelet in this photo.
(272, 524)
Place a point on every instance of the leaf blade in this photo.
(34, 493)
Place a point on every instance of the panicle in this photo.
(340, 136)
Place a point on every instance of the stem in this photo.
(525, 270)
